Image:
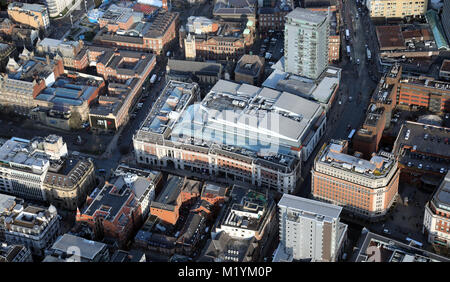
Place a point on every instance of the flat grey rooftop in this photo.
(306, 15)
(330, 211)
(88, 249)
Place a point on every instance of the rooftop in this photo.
(328, 212)
(18, 154)
(441, 197)
(391, 250)
(87, 249)
(308, 16)
(379, 165)
(250, 65)
(248, 209)
(30, 7)
(426, 139)
(259, 118)
(168, 107)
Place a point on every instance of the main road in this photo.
(355, 79)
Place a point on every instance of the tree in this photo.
(75, 120)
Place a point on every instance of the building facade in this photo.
(32, 15)
(309, 230)
(366, 189)
(14, 253)
(306, 35)
(32, 226)
(436, 221)
(396, 8)
(168, 140)
(56, 7)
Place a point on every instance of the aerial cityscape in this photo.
(224, 131)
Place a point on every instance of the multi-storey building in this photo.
(40, 170)
(306, 42)
(250, 214)
(237, 133)
(271, 18)
(396, 8)
(379, 113)
(214, 40)
(14, 253)
(119, 18)
(152, 36)
(193, 71)
(372, 247)
(66, 103)
(56, 7)
(67, 50)
(177, 191)
(32, 15)
(444, 21)
(366, 189)
(24, 81)
(121, 205)
(126, 72)
(436, 221)
(249, 69)
(70, 248)
(309, 230)
(235, 10)
(334, 38)
(32, 226)
(422, 149)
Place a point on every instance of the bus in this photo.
(350, 136)
(414, 243)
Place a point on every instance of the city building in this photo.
(70, 248)
(412, 41)
(131, 256)
(67, 50)
(121, 205)
(372, 247)
(309, 230)
(225, 248)
(25, 80)
(444, 21)
(250, 214)
(119, 18)
(319, 3)
(31, 15)
(444, 71)
(261, 135)
(24, 167)
(396, 8)
(423, 153)
(235, 9)
(57, 7)
(68, 183)
(32, 226)
(271, 18)
(154, 36)
(40, 169)
(176, 192)
(249, 69)
(25, 37)
(322, 90)
(66, 103)
(306, 36)
(334, 38)
(126, 72)
(217, 40)
(14, 253)
(365, 189)
(6, 51)
(436, 221)
(379, 113)
(193, 71)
